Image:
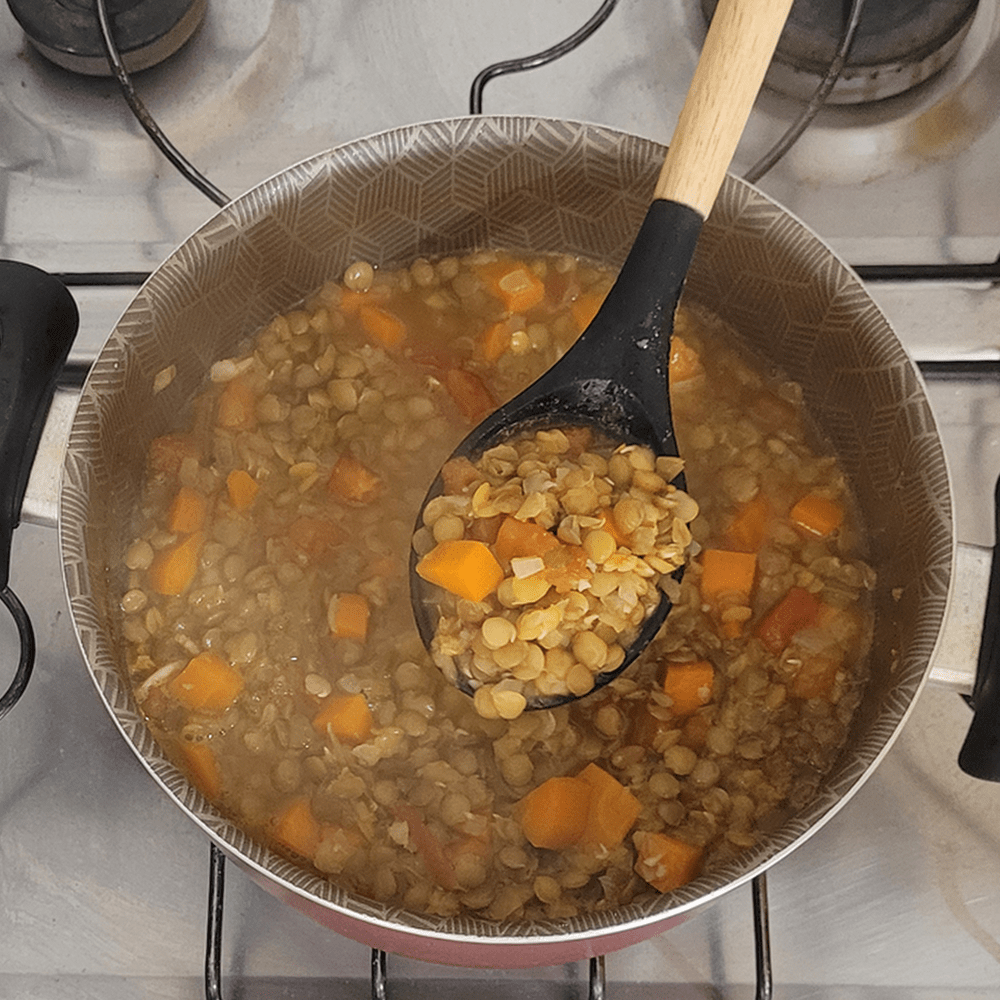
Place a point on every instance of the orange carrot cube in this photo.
(585, 307)
(554, 815)
(665, 862)
(495, 341)
(612, 811)
(187, 511)
(350, 480)
(726, 572)
(174, 568)
(207, 684)
(458, 474)
(464, 567)
(689, 685)
(511, 281)
(314, 535)
(297, 829)
(242, 489)
(684, 361)
(203, 769)
(751, 523)
(797, 610)
(382, 326)
(522, 538)
(347, 716)
(473, 399)
(520, 290)
(236, 406)
(815, 678)
(348, 616)
(817, 515)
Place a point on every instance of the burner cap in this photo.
(898, 44)
(146, 31)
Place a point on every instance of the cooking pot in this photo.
(528, 184)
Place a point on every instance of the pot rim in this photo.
(837, 789)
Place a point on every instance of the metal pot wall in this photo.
(535, 185)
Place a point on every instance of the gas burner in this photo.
(899, 44)
(146, 31)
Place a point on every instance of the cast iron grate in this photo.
(597, 979)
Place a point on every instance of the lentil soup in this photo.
(271, 645)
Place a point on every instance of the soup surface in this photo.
(272, 647)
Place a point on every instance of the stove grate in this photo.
(597, 979)
(989, 271)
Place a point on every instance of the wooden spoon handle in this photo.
(738, 48)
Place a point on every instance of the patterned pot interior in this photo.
(533, 185)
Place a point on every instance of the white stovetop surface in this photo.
(102, 881)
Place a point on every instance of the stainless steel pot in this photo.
(535, 185)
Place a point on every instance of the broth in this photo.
(272, 650)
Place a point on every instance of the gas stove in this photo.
(104, 884)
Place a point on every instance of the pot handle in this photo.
(38, 321)
(980, 753)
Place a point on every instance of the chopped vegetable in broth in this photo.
(272, 647)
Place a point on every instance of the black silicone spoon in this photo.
(614, 378)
